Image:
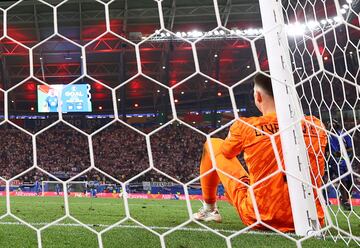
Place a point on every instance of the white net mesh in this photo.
(170, 89)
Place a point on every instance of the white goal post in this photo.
(288, 112)
(49, 186)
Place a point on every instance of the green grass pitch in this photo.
(160, 215)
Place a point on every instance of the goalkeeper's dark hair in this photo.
(264, 82)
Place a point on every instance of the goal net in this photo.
(125, 94)
(56, 188)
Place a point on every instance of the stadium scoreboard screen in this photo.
(71, 98)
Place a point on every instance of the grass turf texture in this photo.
(161, 215)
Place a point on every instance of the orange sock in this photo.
(210, 182)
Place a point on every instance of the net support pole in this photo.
(288, 111)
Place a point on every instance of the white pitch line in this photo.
(139, 227)
(192, 229)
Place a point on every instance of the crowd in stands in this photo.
(62, 150)
(15, 151)
(177, 151)
(118, 151)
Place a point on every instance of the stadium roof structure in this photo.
(224, 54)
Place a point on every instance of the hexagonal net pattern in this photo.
(195, 86)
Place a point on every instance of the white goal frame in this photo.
(61, 185)
(289, 113)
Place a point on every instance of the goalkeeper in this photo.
(272, 196)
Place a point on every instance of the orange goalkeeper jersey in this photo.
(272, 196)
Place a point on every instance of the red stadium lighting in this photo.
(100, 107)
(30, 86)
(219, 94)
(98, 86)
(136, 105)
(32, 108)
(176, 100)
(326, 58)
